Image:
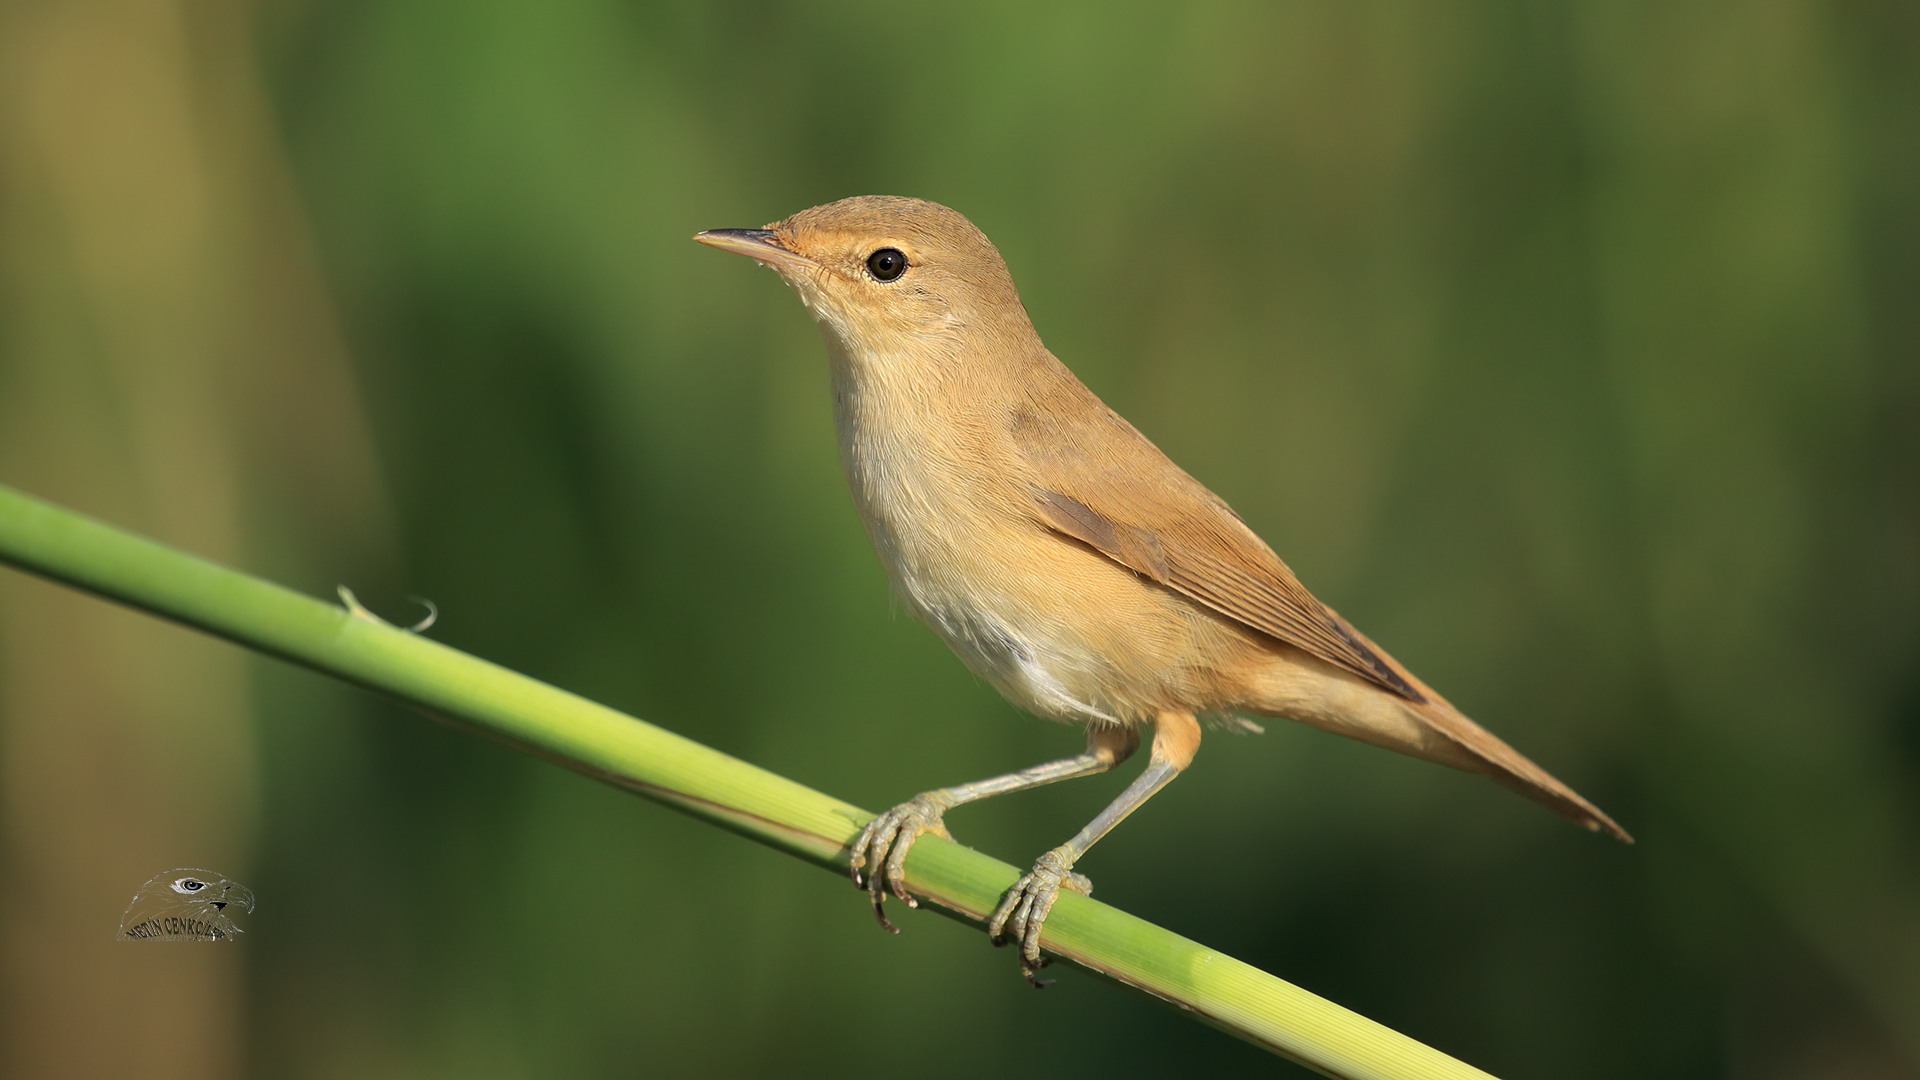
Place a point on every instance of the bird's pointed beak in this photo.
(761, 244)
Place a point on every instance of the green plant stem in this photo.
(44, 539)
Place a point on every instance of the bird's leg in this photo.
(887, 838)
(1024, 909)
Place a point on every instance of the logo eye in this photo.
(886, 264)
(189, 885)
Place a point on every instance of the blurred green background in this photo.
(1569, 350)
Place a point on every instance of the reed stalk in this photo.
(55, 543)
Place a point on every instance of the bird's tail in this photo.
(1512, 770)
(1486, 753)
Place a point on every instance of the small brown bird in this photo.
(1060, 554)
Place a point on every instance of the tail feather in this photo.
(1494, 758)
(1513, 771)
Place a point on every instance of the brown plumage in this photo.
(1059, 553)
(1133, 505)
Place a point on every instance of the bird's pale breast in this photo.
(1056, 627)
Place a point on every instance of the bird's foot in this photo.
(886, 841)
(1024, 909)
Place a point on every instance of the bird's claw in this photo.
(1025, 908)
(889, 837)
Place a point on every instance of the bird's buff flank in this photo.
(1060, 554)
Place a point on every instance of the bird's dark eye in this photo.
(886, 264)
(187, 884)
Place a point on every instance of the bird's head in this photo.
(186, 904)
(890, 277)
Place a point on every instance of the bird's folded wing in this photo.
(1110, 488)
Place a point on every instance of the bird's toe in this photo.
(1023, 912)
(884, 844)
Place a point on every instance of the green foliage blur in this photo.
(1568, 350)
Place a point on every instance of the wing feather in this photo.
(1098, 480)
